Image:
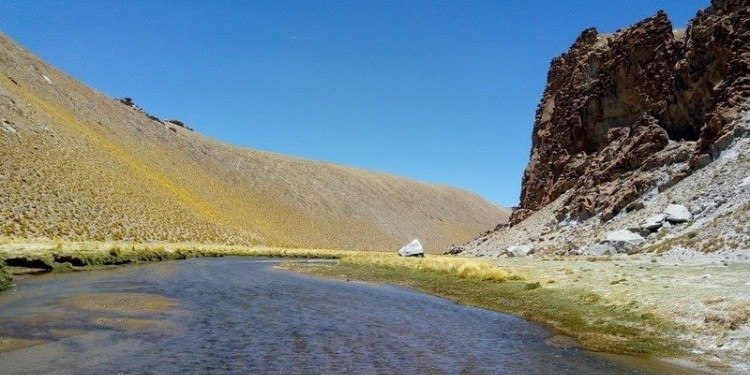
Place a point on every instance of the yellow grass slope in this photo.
(77, 165)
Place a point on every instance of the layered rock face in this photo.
(617, 106)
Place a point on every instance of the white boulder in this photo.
(413, 249)
(677, 213)
(623, 240)
(597, 250)
(654, 222)
(519, 251)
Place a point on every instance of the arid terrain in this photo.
(77, 165)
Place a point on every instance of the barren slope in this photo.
(77, 165)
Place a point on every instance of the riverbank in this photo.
(641, 306)
(18, 257)
(575, 312)
(650, 306)
(245, 316)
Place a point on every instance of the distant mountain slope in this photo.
(77, 165)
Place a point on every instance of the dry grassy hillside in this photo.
(77, 165)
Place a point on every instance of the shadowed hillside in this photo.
(77, 165)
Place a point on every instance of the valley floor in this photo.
(680, 306)
(691, 307)
(706, 296)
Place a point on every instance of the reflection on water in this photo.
(237, 315)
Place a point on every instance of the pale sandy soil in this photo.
(710, 299)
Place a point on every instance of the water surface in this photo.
(240, 316)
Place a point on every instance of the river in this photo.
(244, 316)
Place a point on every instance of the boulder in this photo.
(677, 213)
(623, 240)
(519, 251)
(653, 223)
(127, 101)
(639, 231)
(573, 249)
(697, 208)
(413, 249)
(597, 250)
(454, 250)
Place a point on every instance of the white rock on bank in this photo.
(677, 213)
(413, 249)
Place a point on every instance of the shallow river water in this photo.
(243, 316)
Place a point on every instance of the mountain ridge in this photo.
(78, 165)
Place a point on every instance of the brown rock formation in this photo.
(614, 102)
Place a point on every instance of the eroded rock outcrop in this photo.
(618, 106)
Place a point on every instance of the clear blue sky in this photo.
(440, 91)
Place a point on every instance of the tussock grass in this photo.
(458, 267)
(727, 314)
(532, 286)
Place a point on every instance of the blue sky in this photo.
(440, 91)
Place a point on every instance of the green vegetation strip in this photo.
(86, 257)
(571, 312)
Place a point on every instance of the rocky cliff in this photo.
(641, 156)
(618, 106)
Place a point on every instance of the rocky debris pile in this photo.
(674, 214)
(130, 103)
(7, 127)
(454, 250)
(706, 212)
(166, 122)
(624, 241)
(458, 249)
(519, 251)
(617, 107)
(413, 249)
(178, 123)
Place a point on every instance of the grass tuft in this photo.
(459, 267)
(532, 286)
